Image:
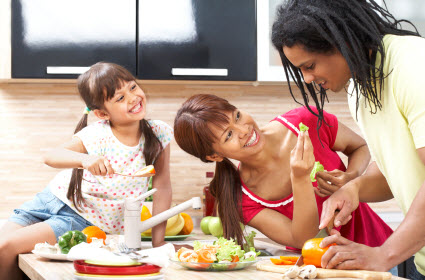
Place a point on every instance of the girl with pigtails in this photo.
(88, 192)
(271, 189)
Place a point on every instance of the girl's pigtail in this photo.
(153, 146)
(74, 190)
(226, 188)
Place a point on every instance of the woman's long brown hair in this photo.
(95, 86)
(192, 133)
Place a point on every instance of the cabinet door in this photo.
(197, 40)
(62, 38)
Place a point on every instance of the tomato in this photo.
(312, 253)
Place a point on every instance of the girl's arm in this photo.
(73, 154)
(162, 197)
(353, 146)
(305, 221)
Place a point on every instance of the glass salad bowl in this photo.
(227, 266)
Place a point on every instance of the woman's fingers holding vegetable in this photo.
(308, 155)
(324, 185)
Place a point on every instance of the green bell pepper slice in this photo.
(69, 239)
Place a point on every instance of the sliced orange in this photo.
(206, 256)
(181, 250)
(188, 256)
(188, 224)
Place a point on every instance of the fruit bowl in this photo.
(213, 266)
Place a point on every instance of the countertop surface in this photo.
(38, 268)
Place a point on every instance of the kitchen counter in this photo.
(37, 268)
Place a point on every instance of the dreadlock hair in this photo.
(95, 86)
(355, 28)
(193, 134)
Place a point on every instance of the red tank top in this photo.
(365, 226)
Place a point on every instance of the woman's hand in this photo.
(302, 158)
(97, 165)
(329, 182)
(350, 255)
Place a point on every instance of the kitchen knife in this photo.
(324, 232)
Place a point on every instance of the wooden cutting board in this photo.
(328, 273)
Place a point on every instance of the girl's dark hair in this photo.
(95, 86)
(352, 27)
(192, 131)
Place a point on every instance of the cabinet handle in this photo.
(198, 72)
(66, 69)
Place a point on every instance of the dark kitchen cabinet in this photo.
(197, 40)
(61, 38)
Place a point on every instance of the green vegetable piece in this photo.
(249, 241)
(316, 168)
(69, 239)
(303, 127)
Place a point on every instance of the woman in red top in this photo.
(272, 190)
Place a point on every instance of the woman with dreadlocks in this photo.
(325, 43)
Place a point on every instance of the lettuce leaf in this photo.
(316, 168)
(303, 127)
(228, 248)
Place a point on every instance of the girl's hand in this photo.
(329, 182)
(302, 158)
(97, 165)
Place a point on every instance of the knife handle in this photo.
(330, 225)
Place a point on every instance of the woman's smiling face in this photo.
(239, 139)
(331, 71)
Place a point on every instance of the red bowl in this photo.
(85, 268)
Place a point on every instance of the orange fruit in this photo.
(188, 256)
(312, 253)
(94, 231)
(188, 224)
(145, 214)
(206, 256)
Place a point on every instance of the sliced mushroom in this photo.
(308, 272)
(293, 272)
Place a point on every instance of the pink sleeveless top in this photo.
(365, 226)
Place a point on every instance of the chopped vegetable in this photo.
(316, 168)
(69, 239)
(303, 127)
(221, 251)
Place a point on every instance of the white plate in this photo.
(59, 257)
(78, 276)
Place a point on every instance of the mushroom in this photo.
(293, 272)
(308, 272)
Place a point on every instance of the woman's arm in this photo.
(162, 197)
(73, 154)
(353, 146)
(305, 217)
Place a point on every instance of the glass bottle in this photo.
(208, 199)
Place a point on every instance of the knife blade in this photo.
(324, 232)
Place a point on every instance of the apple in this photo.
(204, 224)
(215, 227)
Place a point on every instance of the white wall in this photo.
(5, 49)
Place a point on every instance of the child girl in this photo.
(89, 192)
(271, 190)
(325, 44)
